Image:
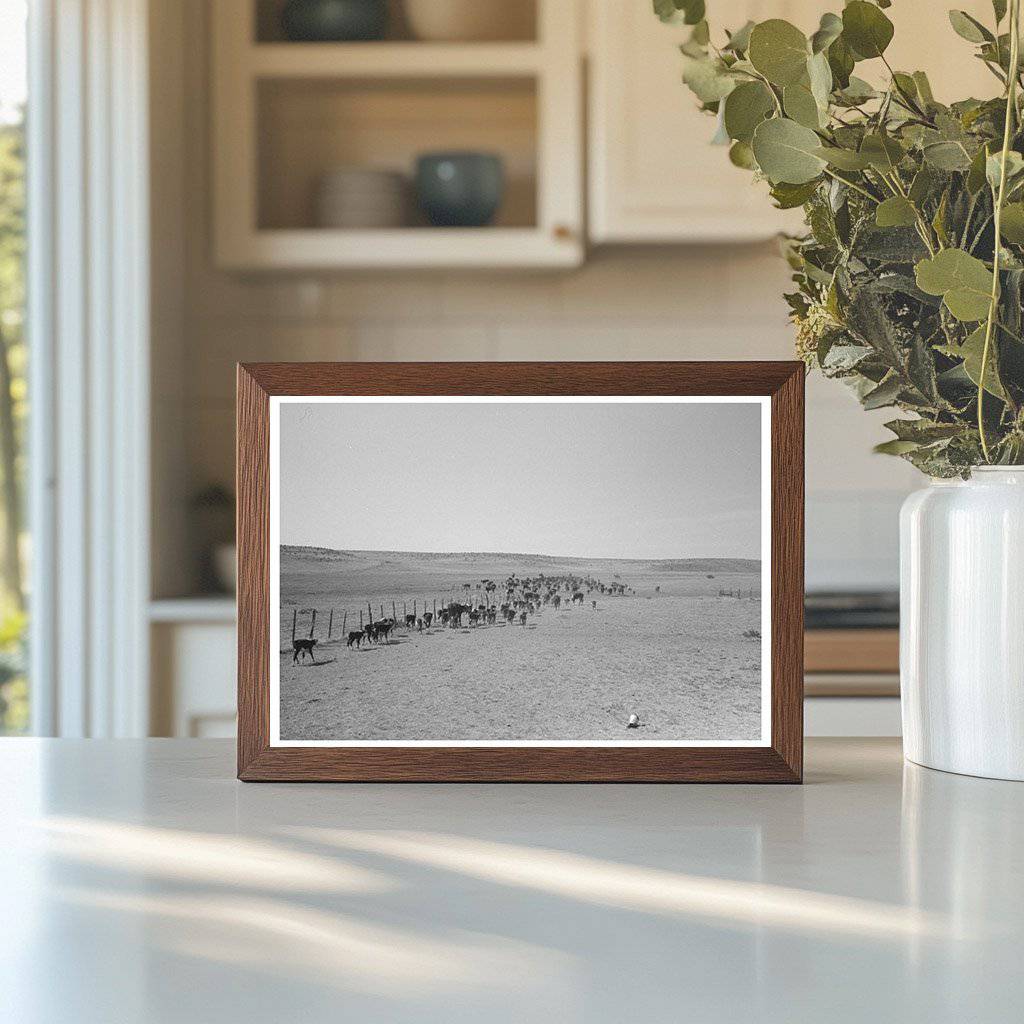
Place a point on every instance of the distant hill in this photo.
(706, 565)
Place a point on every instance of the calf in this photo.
(355, 636)
(303, 647)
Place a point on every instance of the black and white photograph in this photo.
(519, 571)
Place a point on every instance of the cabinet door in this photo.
(654, 176)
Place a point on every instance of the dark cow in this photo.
(455, 613)
(355, 636)
(303, 647)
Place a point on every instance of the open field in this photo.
(677, 658)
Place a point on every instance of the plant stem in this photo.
(853, 185)
(1011, 108)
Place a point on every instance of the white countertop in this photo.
(140, 882)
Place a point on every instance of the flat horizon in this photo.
(516, 554)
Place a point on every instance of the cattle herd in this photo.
(512, 602)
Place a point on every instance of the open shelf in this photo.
(308, 127)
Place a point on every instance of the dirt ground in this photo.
(677, 658)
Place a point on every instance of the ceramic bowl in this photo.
(470, 20)
(460, 189)
(333, 21)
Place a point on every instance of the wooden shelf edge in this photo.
(392, 60)
(320, 248)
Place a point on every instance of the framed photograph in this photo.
(520, 571)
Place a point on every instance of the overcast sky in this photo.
(608, 480)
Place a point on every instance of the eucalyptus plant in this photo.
(910, 277)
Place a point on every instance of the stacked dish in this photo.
(362, 197)
(470, 20)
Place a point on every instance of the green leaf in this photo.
(701, 33)
(788, 196)
(745, 108)
(689, 12)
(971, 351)
(800, 105)
(829, 30)
(739, 41)
(885, 394)
(844, 159)
(905, 84)
(866, 29)
(787, 151)
(841, 63)
(895, 447)
(883, 152)
(947, 156)
(666, 10)
(922, 185)
(993, 167)
(895, 212)
(963, 281)
(923, 431)
(976, 173)
(939, 220)
(707, 78)
(857, 91)
(741, 155)
(819, 75)
(779, 51)
(924, 88)
(1012, 224)
(969, 28)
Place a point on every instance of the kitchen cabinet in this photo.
(654, 177)
(286, 114)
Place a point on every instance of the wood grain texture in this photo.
(781, 762)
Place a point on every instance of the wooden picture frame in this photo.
(779, 760)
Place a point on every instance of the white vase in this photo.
(962, 624)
